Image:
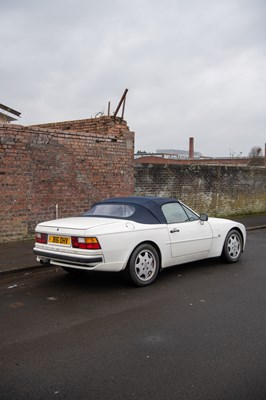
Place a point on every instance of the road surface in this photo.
(198, 333)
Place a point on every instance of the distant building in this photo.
(180, 154)
(189, 157)
(5, 118)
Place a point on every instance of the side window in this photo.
(174, 212)
(191, 215)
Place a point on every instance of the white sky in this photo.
(193, 67)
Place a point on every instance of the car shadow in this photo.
(86, 280)
(205, 267)
(89, 280)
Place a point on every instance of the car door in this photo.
(190, 238)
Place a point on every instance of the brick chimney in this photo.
(191, 147)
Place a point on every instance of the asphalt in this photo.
(17, 256)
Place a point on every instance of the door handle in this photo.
(174, 230)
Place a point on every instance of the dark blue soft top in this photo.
(147, 210)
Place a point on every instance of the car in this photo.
(138, 236)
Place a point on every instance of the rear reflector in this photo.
(89, 243)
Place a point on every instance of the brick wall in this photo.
(72, 164)
(218, 190)
(103, 125)
(76, 163)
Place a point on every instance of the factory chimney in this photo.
(191, 147)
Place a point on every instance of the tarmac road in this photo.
(198, 333)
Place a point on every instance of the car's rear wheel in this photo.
(233, 246)
(143, 266)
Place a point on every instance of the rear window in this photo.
(112, 210)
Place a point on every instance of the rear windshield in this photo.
(112, 210)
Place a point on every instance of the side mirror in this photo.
(204, 217)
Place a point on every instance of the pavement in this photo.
(17, 256)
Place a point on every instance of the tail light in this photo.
(41, 238)
(89, 243)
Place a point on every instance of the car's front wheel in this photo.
(233, 246)
(143, 266)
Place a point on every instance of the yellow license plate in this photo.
(60, 240)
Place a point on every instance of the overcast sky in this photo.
(193, 67)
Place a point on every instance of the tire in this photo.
(143, 266)
(233, 246)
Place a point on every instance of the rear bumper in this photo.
(69, 259)
(77, 261)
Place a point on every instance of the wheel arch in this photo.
(150, 242)
(236, 228)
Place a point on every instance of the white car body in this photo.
(175, 242)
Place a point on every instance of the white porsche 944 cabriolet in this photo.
(137, 235)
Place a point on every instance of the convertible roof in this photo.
(148, 209)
